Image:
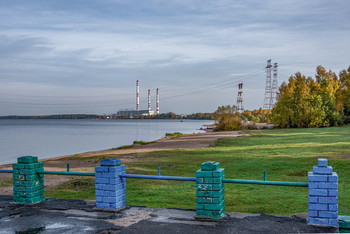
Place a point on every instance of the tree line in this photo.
(304, 102)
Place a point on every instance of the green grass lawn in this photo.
(286, 155)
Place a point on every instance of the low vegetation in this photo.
(135, 143)
(124, 147)
(228, 119)
(286, 155)
(173, 135)
(142, 142)
(6, 183)
(75, 188)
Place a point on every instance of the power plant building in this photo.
(130, 113)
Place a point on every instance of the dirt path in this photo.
(85, 162)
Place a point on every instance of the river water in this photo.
(47, 138)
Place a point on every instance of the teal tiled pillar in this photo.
(28, 185)
(210, 191)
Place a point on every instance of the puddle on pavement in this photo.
(56, 225)
(97, 215)
(6, 219)
(115, 216)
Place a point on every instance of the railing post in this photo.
(323, 195)
(28, 185)
(110, 187)
(210, 191)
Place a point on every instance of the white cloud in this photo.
(171, 45)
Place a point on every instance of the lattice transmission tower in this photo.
(274, 84)
(270, 89)
(240, 108)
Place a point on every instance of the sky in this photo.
(84, 56)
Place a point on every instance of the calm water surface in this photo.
(52, 138)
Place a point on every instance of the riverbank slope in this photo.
(85, 162)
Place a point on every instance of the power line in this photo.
(227, 83)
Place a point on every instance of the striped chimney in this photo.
(149, 100)
(157, 101)
(137, 96)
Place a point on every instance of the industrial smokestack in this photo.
(149, 100)
(157, 101)
(137, 96)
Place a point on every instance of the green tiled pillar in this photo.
(210, 191)
(28, 185)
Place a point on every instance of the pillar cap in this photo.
(27, 159)
(322, 162)
(110, 162)
(210, 166)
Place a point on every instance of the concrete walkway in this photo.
(81, 216)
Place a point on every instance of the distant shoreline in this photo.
(65, 116)
(94, 116)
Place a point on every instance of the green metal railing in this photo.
(67, 172)
(264, 182)
(58, 172)
(235, 181)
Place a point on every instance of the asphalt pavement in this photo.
(81, 216)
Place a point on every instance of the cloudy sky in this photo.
(85, 56)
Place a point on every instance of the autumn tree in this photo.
(307, 102)
(328, 87)
(343, 96)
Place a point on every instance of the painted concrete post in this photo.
(210, 191)
(28, 185)
(323, 195)
(110, 187)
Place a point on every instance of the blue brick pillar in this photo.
(110, 187)
(210, 191)
(323, 195)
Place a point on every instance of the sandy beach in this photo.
(85, 162)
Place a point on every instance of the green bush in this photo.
(227, 118)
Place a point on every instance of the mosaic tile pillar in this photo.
(28, 185)
(210, 191)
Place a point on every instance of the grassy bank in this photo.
(286, 155)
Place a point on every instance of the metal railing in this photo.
(67, 173)
(158, 177)
(265, 182)
(6, 171)
(179, 178)
(235, 181)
